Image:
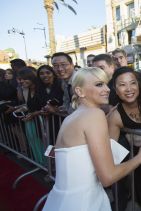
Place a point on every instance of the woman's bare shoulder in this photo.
(93, 116)
(95, 112)
(85, 115)
(113, 113)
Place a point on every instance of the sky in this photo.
(26, 15)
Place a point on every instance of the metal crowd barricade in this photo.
(53, 123)
(132, 133)
(29, 140)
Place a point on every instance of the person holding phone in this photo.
(51, 85)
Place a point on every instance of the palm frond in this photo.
(70, 7)
(72, 0)
(75, 1)
(56, 5)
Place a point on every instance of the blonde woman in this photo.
(84, 159)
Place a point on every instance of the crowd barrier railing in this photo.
(29, 140)
(132, 133)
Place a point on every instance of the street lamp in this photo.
(44, 31)
(13, 31)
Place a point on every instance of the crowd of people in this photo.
(91, 150)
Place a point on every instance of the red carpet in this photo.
(27, 192)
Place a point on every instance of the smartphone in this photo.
(19, 114)
(54, 102)
(50, 151)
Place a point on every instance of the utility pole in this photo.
(14, 31)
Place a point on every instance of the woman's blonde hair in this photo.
(79, 79)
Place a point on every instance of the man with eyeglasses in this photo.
(64, 68)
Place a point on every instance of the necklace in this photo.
(135, 116)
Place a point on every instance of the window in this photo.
(130, 10)
(119, 38)
(118, 13)
(131, 36)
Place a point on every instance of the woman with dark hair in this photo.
(8, 91)
(127, 115)
(2, 73)
(53, 93)
(31, 92)
(32, 96)
(52, 97)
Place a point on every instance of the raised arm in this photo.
(97, 137)
(114, 124)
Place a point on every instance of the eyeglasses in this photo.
(63, 66)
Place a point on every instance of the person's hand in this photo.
(20, 108)
(44, 112)
(19, 111)
(30, 116)
(62, 110)
(52, 109)
(48, 108)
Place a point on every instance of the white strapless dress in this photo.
(77, 187)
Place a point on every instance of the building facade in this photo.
(123, 23)
(93, 41)
(124, 28)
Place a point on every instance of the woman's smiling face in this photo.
(127, 87)
(8, 75)
(95, 91)
(46, 76)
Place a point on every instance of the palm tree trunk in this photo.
(49, 8)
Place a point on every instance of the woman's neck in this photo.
(48, 85)
(130, 106)
(133, 111)
(86, 104)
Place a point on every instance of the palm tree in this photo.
(49, 6)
